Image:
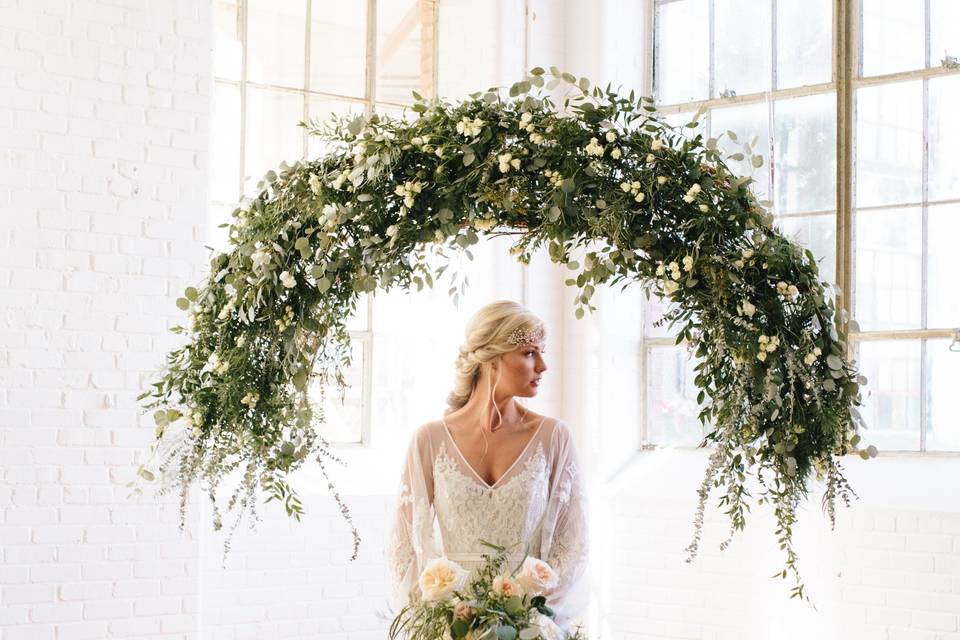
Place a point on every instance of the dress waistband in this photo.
(478, 556)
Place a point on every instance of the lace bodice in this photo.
(536, 508)
(504, 514)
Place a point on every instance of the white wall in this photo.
(103, 119)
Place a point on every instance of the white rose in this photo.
(548, 628)
(440, 578)
(611, 136)
(288, 280)
(536, 576)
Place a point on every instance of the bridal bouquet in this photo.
(495, 605)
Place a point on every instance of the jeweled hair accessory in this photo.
(523, 335)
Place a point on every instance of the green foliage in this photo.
(600, 175)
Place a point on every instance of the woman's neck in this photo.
(479, 410)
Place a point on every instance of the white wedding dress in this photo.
(536, 508)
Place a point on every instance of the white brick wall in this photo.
(103, 124)
(891, 569)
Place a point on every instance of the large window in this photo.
(277, 63)
(852, 113)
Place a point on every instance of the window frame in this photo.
(845, 81)
(363, 335)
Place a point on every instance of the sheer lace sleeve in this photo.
(411, 541)
(565, 535)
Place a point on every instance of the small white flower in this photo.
(640, 197)
(392, 230)
(526, 117)
(761, 356)
(688, 263)
(515, 163)
(536, 138)
(748, 308)
(650, 157)
(594, 148)
(661, 179)
(615, 153)
(288, 280)
(747, 254)
(470, 128)
(611, 136)
(260, 258)
(703, 208)
(656, 145)
(661, 269)
(314, 182)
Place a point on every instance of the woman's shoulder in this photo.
(550, 425)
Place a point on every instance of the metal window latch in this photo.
(728, 93)
(950, 62)
(955, 345)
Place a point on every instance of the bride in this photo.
(490, 469)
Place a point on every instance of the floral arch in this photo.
(774, 379)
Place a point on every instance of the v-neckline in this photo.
(493, 486)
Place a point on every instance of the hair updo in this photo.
(486, 336)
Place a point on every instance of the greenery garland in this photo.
(774, 379)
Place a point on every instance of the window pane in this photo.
(943, 401)
(889, 145)
(819, 234)
(404, 49)
(678, 120)
(653, 310)
(943, 299)
(742, 46)
(683, 51)
(892, 396)
(225, 144)
(321, 110)
(893, 36)
(804, 144)
(672, 398)
(276, 34)
(227, 47)
(887, 273)
(338, 45)
(272, 132)
(359, 318)
(804, 42)
(468, 27)
(748, 122)
(342, 415)
(944, 138)
(944, 30)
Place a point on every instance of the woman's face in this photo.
(521, 370)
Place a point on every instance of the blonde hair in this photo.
(486, 336)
